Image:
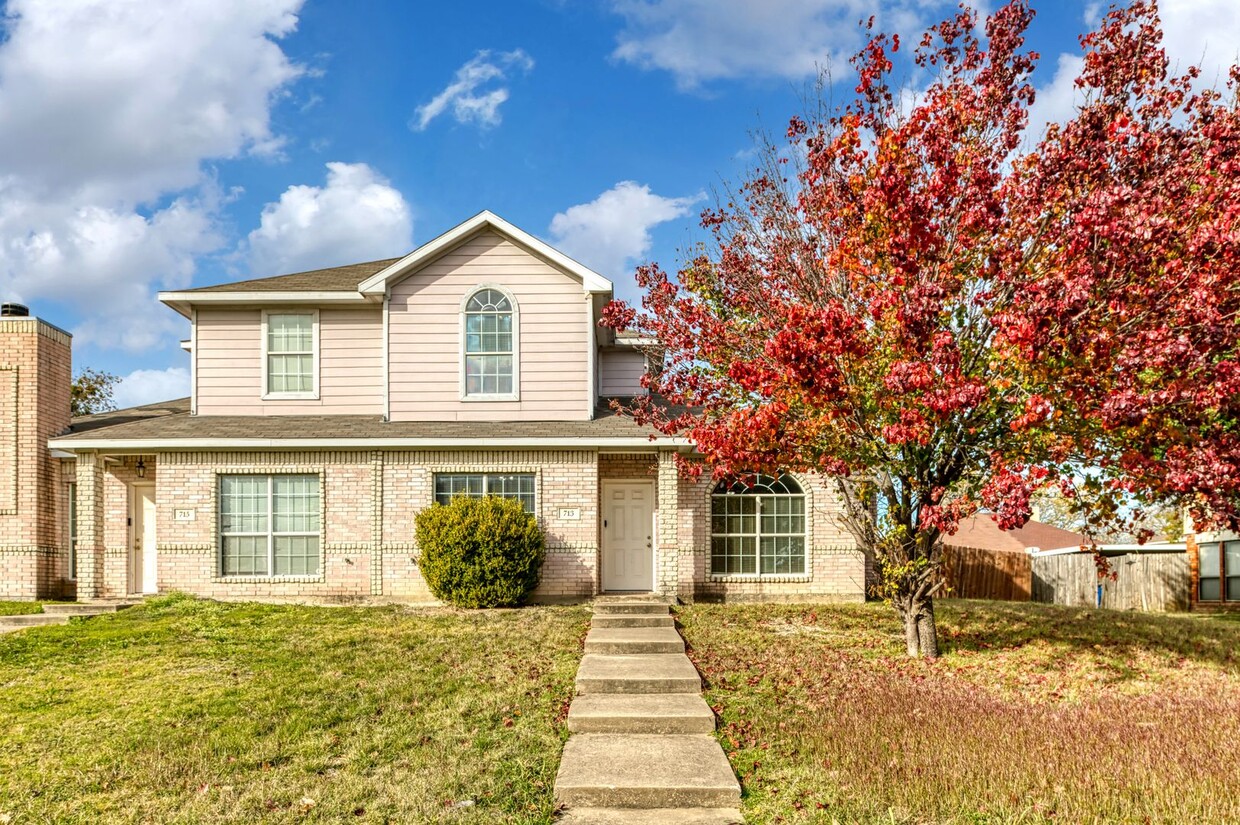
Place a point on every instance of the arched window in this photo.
(489, 369)
(758, 528)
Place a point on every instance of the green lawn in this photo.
(1035, 714)
(20, 608)
(195, 711)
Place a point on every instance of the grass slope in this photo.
(1036, 714)
(185, 711)
(20, 608)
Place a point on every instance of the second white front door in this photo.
(142, 556)
(628, 535)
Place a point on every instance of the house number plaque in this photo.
(570, 514)
(183, 515)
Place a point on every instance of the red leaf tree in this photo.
(910, 305)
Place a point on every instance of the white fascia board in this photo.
(337, 297)
(591, 281)
(148, 445)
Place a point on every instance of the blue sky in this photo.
(167, 143)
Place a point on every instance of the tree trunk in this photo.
(921, 636)
(927, 632)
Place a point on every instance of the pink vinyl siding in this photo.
(620, 372)
(229, 369)
(424, 336)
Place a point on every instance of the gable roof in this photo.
(378, 283)
(333, 279)
(368, 282)
(982, 531)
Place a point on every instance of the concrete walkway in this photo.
(641, 749)
(60, 613)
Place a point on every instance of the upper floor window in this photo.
(489, 348)
(758, 528)
(290, 354)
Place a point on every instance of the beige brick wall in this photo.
(371, 498)
(35, 375)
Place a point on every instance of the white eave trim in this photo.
(591, 281)
(148, 445)
(182, 301)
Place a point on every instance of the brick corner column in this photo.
(668, 573)
(90, 549)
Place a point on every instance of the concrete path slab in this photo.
(645, 771)
(629, 608)
(634, 640)
(685, 713)
(637, 673)
(651, 816)
(631, 620)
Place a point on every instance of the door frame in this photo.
(654, 533)
(134, 501)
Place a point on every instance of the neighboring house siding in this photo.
(229, 364)
(620, 373)
(425, 346)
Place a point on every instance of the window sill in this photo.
(485, 398)
(314, 578)
(290, 396)
(758, 578)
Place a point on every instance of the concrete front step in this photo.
(638, 620)
(84, 608)
(644, 771)
(30, 620)
(651, 816)
(634, 640)
(683, 713)
(637, 673)
(634, 608)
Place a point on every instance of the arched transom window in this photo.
(489, 345)
(758, 527)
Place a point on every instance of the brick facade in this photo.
(369, 501)
(35, 375)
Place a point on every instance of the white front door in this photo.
(142, 556)
(628, 535)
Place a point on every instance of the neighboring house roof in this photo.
(169, 426)
(982, 531)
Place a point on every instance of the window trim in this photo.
(267, 394)
(723, 488)
(1220, 574)
(464, 393)
(270, 575)
(72, 529)
(523, 471)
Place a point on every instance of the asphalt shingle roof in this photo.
(171, 420)
(334, 279)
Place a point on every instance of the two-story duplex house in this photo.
(329, 407)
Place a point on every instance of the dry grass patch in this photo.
(194, 711)
(1036, 714)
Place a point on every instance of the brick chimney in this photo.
(35, 385)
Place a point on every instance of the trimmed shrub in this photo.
(479, 552)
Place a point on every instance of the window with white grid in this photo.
(758, 527)
(291, 353)
(269, 525)
(519, 486)
(489, 345)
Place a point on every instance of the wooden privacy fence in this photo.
(1144, 581)
(977, 573)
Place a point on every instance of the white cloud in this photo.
(468, 102)
(612, 232)
(356, 216)
(151, 386)
(698, 41)
(1195, 32)
(108, 110)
